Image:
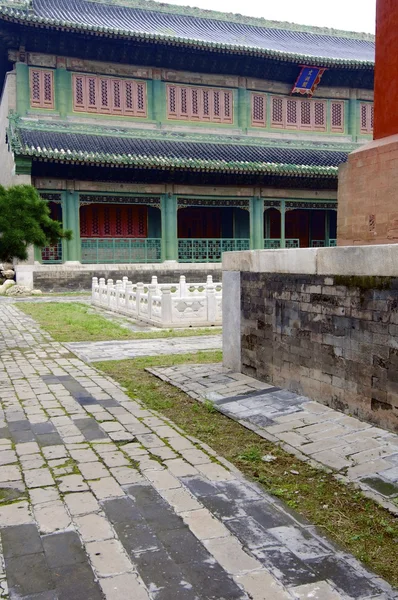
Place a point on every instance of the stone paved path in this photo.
(113, 502)
(358, 451)
(83, 299)
(117, 350)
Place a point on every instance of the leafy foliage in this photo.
(25, 220)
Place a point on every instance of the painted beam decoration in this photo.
(308, 80)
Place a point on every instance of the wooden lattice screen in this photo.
(199, 104)
(297, 113)
(41, 88)
(367, 117)
(106, 95)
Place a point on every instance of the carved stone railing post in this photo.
(152, 289)
(118, 289)
(154, 281)
(183, 286)
(128, 291)
(101, 290)
(94, 284)
(166, 304)
(139, 293)
(125, 281)
(109, 289)
(211, 301)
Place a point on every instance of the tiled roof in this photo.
(209, 30)
(70, 146)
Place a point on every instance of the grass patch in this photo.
(72, 322)
(72, 294)
(358, 524)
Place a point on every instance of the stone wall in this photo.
(327, 335)
(7, 163)
(74, 278)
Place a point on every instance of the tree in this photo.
(25, 220)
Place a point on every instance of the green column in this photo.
(71, 221)
(37, 254)
(63, 92)
(23, 92)
(243, 108)
(353, 107)
(159, 100)
(327, 228)
(256, 223)
(267, 232)
(283, 215)
(168, 206)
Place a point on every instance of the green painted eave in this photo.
(12, 13)
(140, 161)
(167, 163)
(174, 136)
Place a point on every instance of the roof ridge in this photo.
(193, 11)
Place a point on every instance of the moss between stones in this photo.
(364, 282)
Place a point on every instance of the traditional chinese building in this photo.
(161, 133)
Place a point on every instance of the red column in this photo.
(386, 71)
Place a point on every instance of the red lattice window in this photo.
(259, 118)
(297, 113)
(113, 221)
(337, 117)
(199, 104)
(276, 112)
(41, 88)
(291, 113)
(367, 117)
(104, 95)
(319, 115)
(104, 90)
(305, 114)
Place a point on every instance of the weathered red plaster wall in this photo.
(368, 195)
(386, 71)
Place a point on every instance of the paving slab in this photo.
(162, 522)
(119, 350)
(363, 453)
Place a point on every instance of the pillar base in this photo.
(367, 196)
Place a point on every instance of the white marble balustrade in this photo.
(162, 304)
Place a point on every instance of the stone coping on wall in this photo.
(77, 266)
(374, 260)
(26, 273)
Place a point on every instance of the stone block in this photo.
(108, 558)
(231, 556)
(94, 528)
(121, 587)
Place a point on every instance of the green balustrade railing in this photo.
(272, 244)
(323, 243)
(208, 250)
(276, 243)
(52, 254)
(121, 250)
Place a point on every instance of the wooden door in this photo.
(297, 226)
(195, 222)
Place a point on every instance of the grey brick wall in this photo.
(76, 280)
(334, 339)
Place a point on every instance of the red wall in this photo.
(386, 72)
